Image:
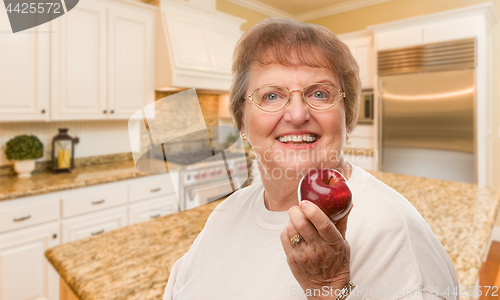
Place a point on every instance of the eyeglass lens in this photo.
(273, 98)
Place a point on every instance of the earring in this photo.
(244, 136)
(347, 136)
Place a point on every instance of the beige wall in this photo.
(251, 16)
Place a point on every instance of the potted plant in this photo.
(23, 150)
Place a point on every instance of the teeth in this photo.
(297, 138)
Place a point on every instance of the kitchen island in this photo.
(134, 262)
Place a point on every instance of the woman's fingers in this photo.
(321, 222)
(302, 224)
(286, 236)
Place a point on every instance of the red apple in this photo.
(328, 189)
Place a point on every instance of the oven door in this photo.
(197, 195)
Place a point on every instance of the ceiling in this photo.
(302, 10)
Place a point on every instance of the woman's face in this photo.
(268, 132)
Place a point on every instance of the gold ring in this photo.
(296, 239)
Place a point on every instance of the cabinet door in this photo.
(131, 61)
(79, 60)
(93, 224)
(362, 51)
(24, 72)
(153, 208)
(25, 273)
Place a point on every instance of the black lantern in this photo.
(63, 152)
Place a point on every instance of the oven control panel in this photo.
(209, 173)
(204, 174)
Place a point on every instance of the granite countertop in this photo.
(46, 182)
(134, 262)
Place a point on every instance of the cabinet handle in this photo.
(22, 218)
(155, 190)
(54, 236)
(98, 202)
(112, 111)
(97, 232)
(155, 216)
(43, 111)
(104, 111)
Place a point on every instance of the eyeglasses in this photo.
(318, 96)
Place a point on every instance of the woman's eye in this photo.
(271, 97)
(319, 94)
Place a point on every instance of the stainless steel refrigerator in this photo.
(427, 108)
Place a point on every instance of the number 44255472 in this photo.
(33, 8)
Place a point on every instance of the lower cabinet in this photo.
(93, 224)
(25, 273)
(153, 208)
(29, 226)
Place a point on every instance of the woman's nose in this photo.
(297, 111)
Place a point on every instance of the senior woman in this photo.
(294, 98)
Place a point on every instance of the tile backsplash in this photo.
(97, 138)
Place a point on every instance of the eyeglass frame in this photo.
(341, 95)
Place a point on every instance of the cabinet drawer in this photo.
(93, 224)
(147, 188)
(153, 208)
(28, 215)
(94, 200)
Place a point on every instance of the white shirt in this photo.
(238, 255)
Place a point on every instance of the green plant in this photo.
(24, 147)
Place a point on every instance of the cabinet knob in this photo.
(104, 111)
(112, 111)
(54, 236)
(43, 111)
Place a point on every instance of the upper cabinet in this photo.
(194, 46)
(361, 45)
(102, 60)
(24, 72)
(463, 23)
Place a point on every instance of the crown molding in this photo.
(486, 9)
(262, 8)
(315, 14)
(336, 8)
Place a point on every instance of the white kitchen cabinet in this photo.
(31, 225)
(361, 45)
(79, 63)
(153, 208)
(131, 61)
(195, 46)
(80, 227)
(94, 198)
(24, 72)
(102, 60)
(25, 273)
(151, 187)
(440, 27)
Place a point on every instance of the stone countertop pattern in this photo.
(46, 182)
(134, 262)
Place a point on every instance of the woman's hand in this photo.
(321, 260)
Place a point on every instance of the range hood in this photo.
(194, 46)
